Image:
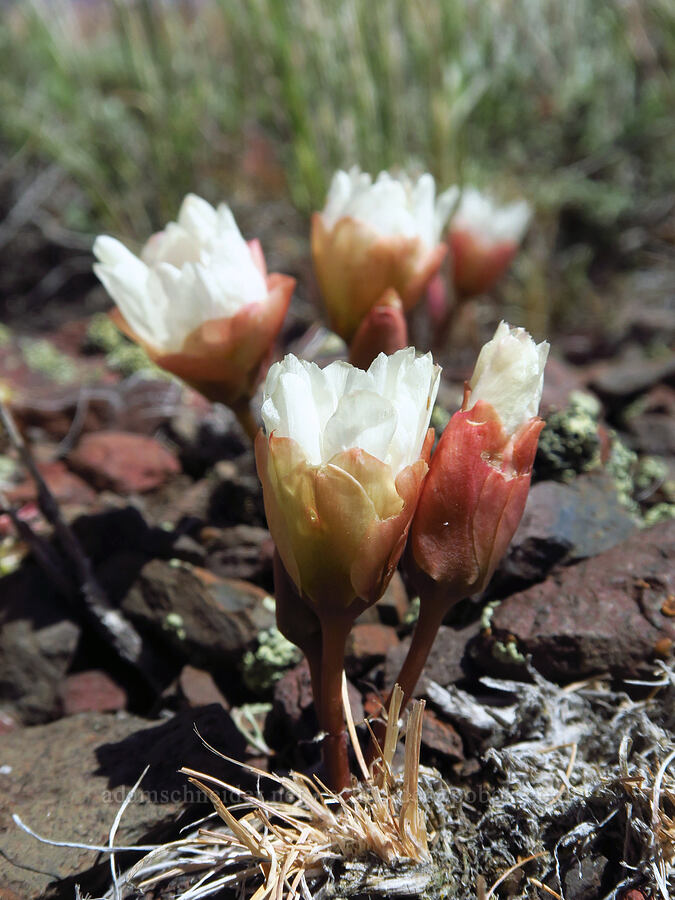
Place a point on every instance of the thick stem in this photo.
(334, 748)
(430, 618)
(246, 419)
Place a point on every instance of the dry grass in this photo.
(277, 849)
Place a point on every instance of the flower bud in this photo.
(374, 236)
(483, 239)
(475, 493)
(198, 300)
(384, 330)
(342, 461)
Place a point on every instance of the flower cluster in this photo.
(344, 454)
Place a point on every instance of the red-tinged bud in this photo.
(384, 330)
(473, 499)
(476, 489)
(476, 265)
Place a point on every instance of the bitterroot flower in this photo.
(372, 236)
(199, 300)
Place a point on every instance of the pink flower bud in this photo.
(199, 300)
(384, 330)
(475, 493)
(371, 237)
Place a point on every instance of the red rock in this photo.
(199, 688)
(603, 614)
(91, 691)
(66, 487)
(441, 737)
(123, 462)
(367, 644)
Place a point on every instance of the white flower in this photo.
(196, 270)
(384, 411)
(391, 206)
(509, 374)
(478, 214)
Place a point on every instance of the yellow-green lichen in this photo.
(265, 665)
(174, 622)
(122, 355)
(570, 443)
(42, 356)
(507, 652)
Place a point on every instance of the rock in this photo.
(563, 523)
(292, 724)
(651, 422)
(561, 380)
(237, 495)
(66, 487)
(38, 640)
(394, 604)
(91, 691)
(205, 434)
(583, 879)
(603, 614)
(199, 689)
(441, 737)
(123, 462)
(445, 664)
(242, 551)
(619, 381)
(367, 645)
(67, 781)
(203, 619)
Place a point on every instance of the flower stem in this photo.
(246, 419)
(430, 618)
(331, 719)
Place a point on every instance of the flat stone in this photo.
(66, 487)
(440, 737)
(241, 551)
(198, 687)
(652, 424)
(563, 523)
(367, 644)
(603, 614)
(203, 619)
(68, 779)
(123, 462)
(91, 691)
(619, 381)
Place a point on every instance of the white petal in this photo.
(509, 374)
(362, 419)
(198, 218)
(391, 206)
(480, 215)
(384, 411)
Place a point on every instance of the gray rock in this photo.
(203, 619)
(564, 523)
(38, 641)
(66, 780)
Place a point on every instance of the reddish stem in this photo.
(432, 611)
(331, 719)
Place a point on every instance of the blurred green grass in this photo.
(569, 103)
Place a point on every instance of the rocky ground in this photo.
(161, 491)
